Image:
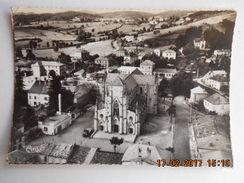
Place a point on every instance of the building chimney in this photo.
(59, 104)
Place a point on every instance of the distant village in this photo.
(128, 89)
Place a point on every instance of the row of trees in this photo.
(180, 84)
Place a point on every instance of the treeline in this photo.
(25, 19)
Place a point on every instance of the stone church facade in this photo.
(127, 99)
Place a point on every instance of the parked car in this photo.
(87, 132)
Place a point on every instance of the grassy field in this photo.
(100, 48)
(28, 33)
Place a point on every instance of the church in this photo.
(127, 99)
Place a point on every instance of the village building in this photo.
(128, 69)
(217, 103)
(216, 81)
(84, 55)
(79, 74)
(144, 154)
(54, 124)
(70, 85)
(197, 95)
(127, 100)
(121, 52)
(226, 52)
(157, 52)
(166, 73)
(28, 81)
(169, 54)
(129, 38)
(51, 153)
(38, 93)
(76, 20)
(42, 68)
(199, 43)
(147, 67)
(103, 61)
(130, 58)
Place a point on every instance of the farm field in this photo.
(45, 35)
(100, 48)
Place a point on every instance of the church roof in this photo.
(117, 81)
(144, 79)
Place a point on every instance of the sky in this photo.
(56, 10)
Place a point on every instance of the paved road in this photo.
(181, 134)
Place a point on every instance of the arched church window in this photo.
(101, 116)
(116, 109)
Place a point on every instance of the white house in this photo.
(197, 95)
(147, 67)
(217, 103)
(76, 19)
(42, 68)
(157, 51)
(103, 61)
(169, 54)
(215, 79)
(54, 124)
(199, 43)
(129, 38)
(166, 73)
(38, 94)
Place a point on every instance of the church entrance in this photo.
(116, 128)
(130, 130)
(101, 128)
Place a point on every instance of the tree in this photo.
(171, 111)
(162, 86)
(181, 84)
(18, 53)
(54, 90)
(67, 99)
(20, 98)
(215, 38)
(30, 55)
(64, 58)
(30, 118)
(115, 141)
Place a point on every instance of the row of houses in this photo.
(217, 102)
(148, 68)
(212, 103)
(62, 153)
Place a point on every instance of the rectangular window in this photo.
(34, 97)
(45, 98)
